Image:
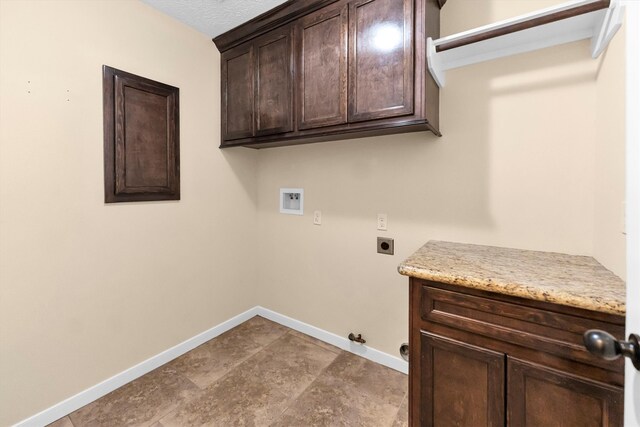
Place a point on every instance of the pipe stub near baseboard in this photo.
(358, 339)
(404, 351)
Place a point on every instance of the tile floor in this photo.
(257, 374)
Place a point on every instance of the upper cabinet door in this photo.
(274, 91)
(322, 68)
(237, 93)
(380, 59)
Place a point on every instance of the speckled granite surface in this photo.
(576, 281)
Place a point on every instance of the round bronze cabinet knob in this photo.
(604, 345)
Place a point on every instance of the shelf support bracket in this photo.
(608, 28)
(434, 63)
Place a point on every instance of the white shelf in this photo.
(597, 20)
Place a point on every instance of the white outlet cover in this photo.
(382, 221)
(292, 201)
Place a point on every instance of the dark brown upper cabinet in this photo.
(319, 70)
(322, 68)
(257, 87)
(274, 85)
(237, 93)
(380, 59)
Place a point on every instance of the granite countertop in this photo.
(576, 281)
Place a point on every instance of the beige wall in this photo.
(524, 162)
(609, 242)
(531, 158)
(88, 290)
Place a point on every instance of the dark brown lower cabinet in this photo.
(539, 396)
(463, 384)
(484, 359)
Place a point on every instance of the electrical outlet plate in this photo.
(382, 221)
(385, 245)
(317, 217)
(292, 201)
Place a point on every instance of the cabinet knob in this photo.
(604, 345)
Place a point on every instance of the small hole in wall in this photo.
(384, 245)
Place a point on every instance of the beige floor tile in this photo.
(256, 374)
(62, 422)
(300, 356)
(138, 403)
(315, 341)
(328, 403)
(259, 390)
(359, 373)
(261, 330)
(352, 391)
(402, 418)
(207, 363)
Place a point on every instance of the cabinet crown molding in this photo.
(276, 17)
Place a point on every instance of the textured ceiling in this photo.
(213, 17)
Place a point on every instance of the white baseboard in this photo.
(341, 342)
(97, 391)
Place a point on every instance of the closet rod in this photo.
(598, 20)
(530, 23)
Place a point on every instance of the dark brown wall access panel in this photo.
(141, 138)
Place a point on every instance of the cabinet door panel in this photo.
(237, 93)
(461, 384)
(273, 83)
(322, 69)
(540, 396)
(380, 59)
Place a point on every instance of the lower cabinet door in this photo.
(541, 396)
(460, 384)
